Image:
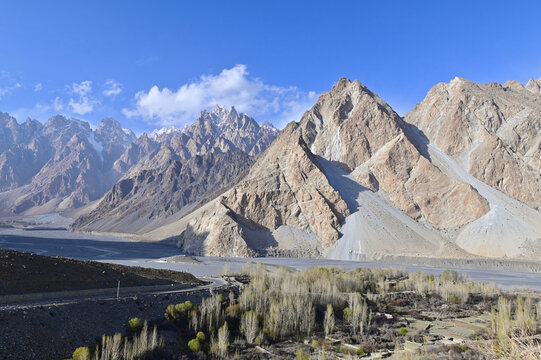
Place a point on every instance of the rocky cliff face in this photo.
(492, 130)
(23, 151)
(287, 187)
(353, 126)
(62, 161)
(174, 171)
(354, 179)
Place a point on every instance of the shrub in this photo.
(249, 325)
(328, 322)
(360, 352)
(116, 347)
(341, 349)
(257, 340)
(300, 355)
(183, 308)
(348, 314)
(233, 310)
(135, 324)
(453, 299)
(170, 313)
(201, 336)
(403, 331)
(81, 353)
(223, 340)
(194, 345)
(449, 276)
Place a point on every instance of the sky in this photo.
(150, 64)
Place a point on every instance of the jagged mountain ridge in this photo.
(63, 160)
(173, 171)
(68, 165)
(402, 193)
(457, 176)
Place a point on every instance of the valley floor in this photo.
(508, 273)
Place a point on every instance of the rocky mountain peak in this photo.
(534, 86)
(223, 113)
(109, 124)
(57, 121)
(60, 129)
(492, 130)
(349, 123)
(4, 117)
(110, 132)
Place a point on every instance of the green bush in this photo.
(201, 336)
(194, 345)
(135, 324)
(183, 308)
(403, 331)
(341, 349)
(81, 353)
(360, 352)
(300, 355)
(257, 340)
(453, 299)
(170, 313)
(348, 314)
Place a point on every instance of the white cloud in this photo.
(57, 104)
(84, 104)
(112, 88)
(231, 87)
(83, 88)
(38, 87)
(7, 90)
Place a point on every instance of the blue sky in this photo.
(155, 63)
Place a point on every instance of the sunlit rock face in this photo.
(293, 183)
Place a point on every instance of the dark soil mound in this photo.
(22, 273)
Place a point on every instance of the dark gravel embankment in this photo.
(24, 273)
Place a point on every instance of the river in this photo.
(115, 250)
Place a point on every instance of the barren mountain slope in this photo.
(288, 201)
(286, 187)
(493, 131)
(134, 202)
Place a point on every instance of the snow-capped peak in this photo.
(267, 126)
(164, 131)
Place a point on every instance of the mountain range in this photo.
(457, 176)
